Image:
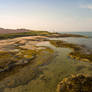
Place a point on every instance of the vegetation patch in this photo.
(23, 34)
(35, 33)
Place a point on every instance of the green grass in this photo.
(23, 34)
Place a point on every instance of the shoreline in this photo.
(25, 56)
(38, 33)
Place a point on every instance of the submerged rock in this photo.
(76, 83)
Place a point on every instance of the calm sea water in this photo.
(77, 40)
(81, 33)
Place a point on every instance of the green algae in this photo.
(7, 57)
(17, 71)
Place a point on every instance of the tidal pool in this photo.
(81, 41)
(59, 67)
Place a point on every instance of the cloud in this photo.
(86, 6)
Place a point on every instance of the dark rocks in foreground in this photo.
(76, 83)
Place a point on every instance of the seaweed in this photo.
(76, 83)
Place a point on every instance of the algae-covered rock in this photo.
(11, 59)
(76, 83)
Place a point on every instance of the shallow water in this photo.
(81, 41)
(60, 66)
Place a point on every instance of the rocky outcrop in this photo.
(76, 83)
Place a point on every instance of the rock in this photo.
(76, 83)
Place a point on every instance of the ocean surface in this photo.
(81, 33)
(78, 40)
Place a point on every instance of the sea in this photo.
(78, 40)
(89, 34)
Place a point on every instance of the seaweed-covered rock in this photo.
(76, 83)
(11, 59)
(80, 52)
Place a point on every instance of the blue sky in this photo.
(57, 15)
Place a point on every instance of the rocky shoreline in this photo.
(19, 53)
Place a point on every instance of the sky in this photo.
(50, 15)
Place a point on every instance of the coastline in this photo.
(26, 53)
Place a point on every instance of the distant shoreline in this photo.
(11, 33)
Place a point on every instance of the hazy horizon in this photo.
(49, 15)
